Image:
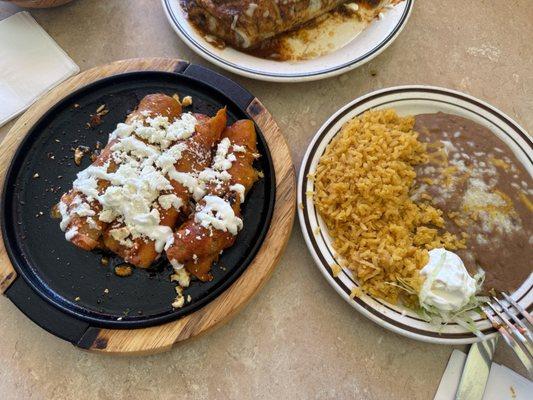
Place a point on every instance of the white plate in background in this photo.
(364, 47)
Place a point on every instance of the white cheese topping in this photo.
(142, 174)
(135, 147)
(218, 214)
(92, 223)
(196, 183)
(447, 285)
(158, 130)
(190, 181)
(65, 216)
(239, 189)
(218, 173)
(145, 153)
(169, 157)
(82, 209)
(121, 236)
(170, 200)
(222, 160)
(69, 234)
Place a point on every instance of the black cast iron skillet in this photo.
(67, 290)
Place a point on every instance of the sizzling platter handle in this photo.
(235, 92)
(44, 314)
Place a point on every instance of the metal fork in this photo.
(515, 325)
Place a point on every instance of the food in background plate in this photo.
(281, 30)
(158, 172)
(410, 201)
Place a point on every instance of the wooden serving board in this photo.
(163, 337)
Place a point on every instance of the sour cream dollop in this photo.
(447, 285)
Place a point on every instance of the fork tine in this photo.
(514, 330)
(525, 330)
(510, 326)
(526, 315)
(511, 341)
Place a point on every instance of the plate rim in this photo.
(363, 307)
(203, 52)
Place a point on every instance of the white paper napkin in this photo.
(31, 63)
(503, 382)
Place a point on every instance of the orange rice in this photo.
(362, 191)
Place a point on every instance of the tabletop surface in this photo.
(297, 338)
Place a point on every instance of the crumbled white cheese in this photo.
(170, 156)
(196, 182)
(106, 216)
(82, 209)
(169, 242)
(135, 147)
(122, 130)
(158, 129)
(137, 183)
(182, 128)
(190, 182)
(92, 223)
(221, 161)
(170, 200)
(121, 236)
(218, 214)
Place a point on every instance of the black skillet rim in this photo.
(6, 201)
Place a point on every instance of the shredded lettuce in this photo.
(435, 316)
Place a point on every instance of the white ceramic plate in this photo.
(406, 100)
(367, 45)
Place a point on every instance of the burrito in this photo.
(244, 24)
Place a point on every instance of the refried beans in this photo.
(484, 191)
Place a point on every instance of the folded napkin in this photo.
(31, 63)
(503, 383)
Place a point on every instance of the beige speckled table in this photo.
(297, 339)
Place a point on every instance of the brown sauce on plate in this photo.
(277, 48)
(484, 192)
